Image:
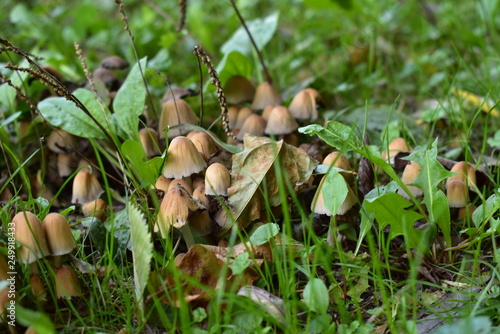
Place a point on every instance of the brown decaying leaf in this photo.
(254, 164)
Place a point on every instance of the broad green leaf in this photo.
(240, 263)
(264, 233)
(129, 102)
(316, 296)
(66, 115)
(334, 190)
(8, 94)
(147, 170)
(142, 253)
(262, 30)
(234, 63)
(430, 175)
(40, 321)
(485, 211)
(390, 209)
(467, 326)
(119, 225)
(441, 212)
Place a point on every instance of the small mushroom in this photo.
(183, 159)
(254, 125)
(114, 63)
(67, 283)
(95, 209)
(86, 187)
(304, 106)
(59, 237)
(243, 114)
(238, 89)
(410, 174)
(265, 95)
(175, 112)
(217, 180)
(28, 231)
(280, 122)
(150, 142)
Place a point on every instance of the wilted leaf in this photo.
(269, 302)
(316, 296)
(255, 163)
(142, 252)
(128, 103)
(262, 30)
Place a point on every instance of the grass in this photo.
(381, 70)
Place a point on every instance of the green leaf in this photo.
(466, 326)
(328, 4)
(234, 63)
(97, 233)
(66, 115)
(119, 225)
(262, 30)
(40, 321)
(361, 285)
(264, 233)
(240, 263)
(334, 190)
(8, 94)
(441, 212)
(316, 296)
(390, 209)
(485, 211)
(142, 253)
(129, 102)
(147, 170)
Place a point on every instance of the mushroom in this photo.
(162, 183)
(185, 183)
(67, 283)
(86, 187)
(254, 125)
(232, 115)
(280, 122)
(174, 212)
(456, 191)
(60, 141)
(410, 174)
(265, 95)
(217, 180)
(114, 63)
(183, 159)
(238, 89)
(340, 161)
(28, 231)
(204, 144)
(150, 142)
(58, 235)
(395, 146)
(95, 209)
(175, 112)
(465, 174)
(37, 287)
(303, 105)
(318, 204)
(243, 114)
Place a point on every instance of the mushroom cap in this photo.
(456, 191)
(105, 75)
(177, 93)
(303, 105)
(58, 234)
(183, 159)
(465, 172)
(60, 141)
(186, 184)
(174, 210)
(114, 62)
(96, 209)
(267, 111)
(238, 89)
(66, 163)
(67, 283)
(86, 187)
(150, 142)
(280, 122)
(232, 115)
(217, 180)
(204, 144)
(29, 232)
(254, 125)
(175, 112)
(265, 95)
(395, 146)
(410, 173)
(162, 183)
(199, 193)
(243, 114)
(339, 160)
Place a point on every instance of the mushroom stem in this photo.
(187, 235)
(34, 268)
(57, 261)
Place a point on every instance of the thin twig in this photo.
(259, 54)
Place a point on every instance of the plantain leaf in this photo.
(147, 170)
(142, 252)
(66, 115)
(316, 296)
(129, 102)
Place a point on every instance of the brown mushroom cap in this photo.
(205, 144)
(30, 234)
(58, 234)
(395, 146)
(456, 191)
(86, 187)
(465, 174)
(410, 173)
(339, 160)
(280, 122)
(265, 95)
(60, 141)
(303, 105)
(254, 125)
(232, 115)
(217, 180)
(67, 283)
(114, 62)
(174, 210)
(162, 183)
(238, 89)
(96, 209)
(318, 204)
(150, 142)
(175, 112)
(105, 75)
(243, 114)
(183, 159)
(186, 184)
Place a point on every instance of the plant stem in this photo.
(259, 54)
